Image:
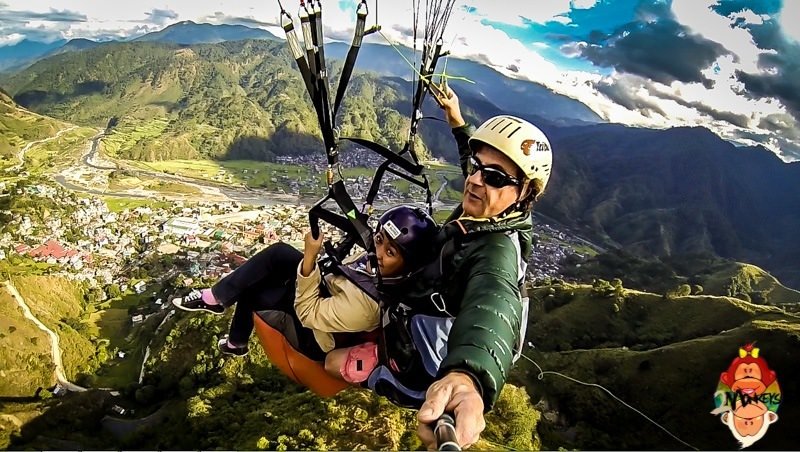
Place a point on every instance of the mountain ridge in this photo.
(17, 56)
(188, 32)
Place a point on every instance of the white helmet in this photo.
(521, 141)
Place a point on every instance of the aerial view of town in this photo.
(135, 238)
(546, 225)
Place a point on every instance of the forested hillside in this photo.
(233, 100)
(661, 354)
(677, 191)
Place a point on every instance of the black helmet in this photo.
(413, 231)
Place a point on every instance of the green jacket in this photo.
(480, 285)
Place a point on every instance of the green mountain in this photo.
(75, 45)
(501, 93)
(654, 192)
(234, 100)
(25, 52)
(677, 191)
(192, 397)
(188, 32)
(662, 355)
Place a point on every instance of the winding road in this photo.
(21, 153)
(147, 350)
(209, 189)
(55, 348)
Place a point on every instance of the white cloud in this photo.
(583, 4)
(788, 19)
(11, 39)
(539, 11)
(127, 18)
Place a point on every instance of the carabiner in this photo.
(440, 306)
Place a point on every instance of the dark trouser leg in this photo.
(270, 298)
(273, 267)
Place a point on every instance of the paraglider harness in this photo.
(398, 326)
(310, 60)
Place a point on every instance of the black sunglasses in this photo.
(493, 177)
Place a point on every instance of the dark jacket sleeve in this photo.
(462, 135)
(487, 324)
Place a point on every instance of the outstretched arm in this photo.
(455, 393)
(449, 102)
(480, 344)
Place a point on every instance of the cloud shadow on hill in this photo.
(29, 99)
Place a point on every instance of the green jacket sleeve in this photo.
(488, 322)
(462, 134)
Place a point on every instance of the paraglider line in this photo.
(542, 373)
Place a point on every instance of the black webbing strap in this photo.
(324, 111)
(421, 183)
(312, 66)
(352, 54)
(377, 180)
(353, 223)
(356, 217)
(427, 68)
(395, 158)
(297, 53)
(305, 22)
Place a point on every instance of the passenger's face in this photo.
(482, 200)
(390, 261)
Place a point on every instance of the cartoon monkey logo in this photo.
(532, 145)
(748, 396)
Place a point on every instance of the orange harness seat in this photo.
(300, 368)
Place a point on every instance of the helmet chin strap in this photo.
(525, 186)
(523, 195)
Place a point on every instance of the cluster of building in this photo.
(551, 247)
(357, 187)
(86, 241)
(350, 158)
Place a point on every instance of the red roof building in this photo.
(53, 249)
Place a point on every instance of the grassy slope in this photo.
(18, 127)
(24, 352)
(641, 320)
(245, 404)
(58, 153)
(52, 299)
(715, 275)
(673, 355)
(750, 279)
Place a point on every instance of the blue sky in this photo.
(730, 65)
